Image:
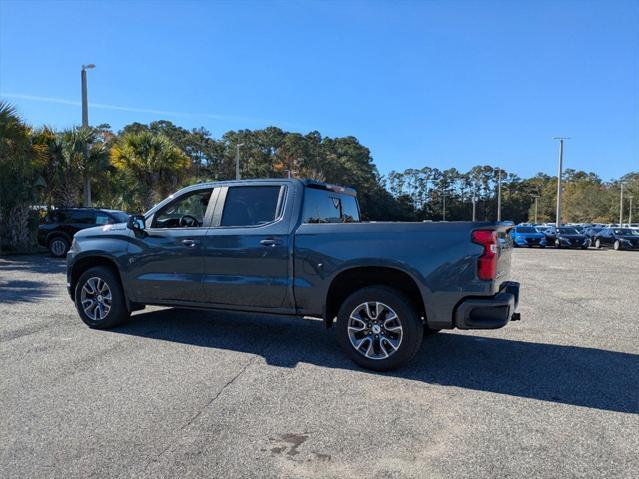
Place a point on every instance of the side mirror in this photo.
(136, 223)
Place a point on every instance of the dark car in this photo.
(618, 238)
(56, 230)
(566, 237)
(592, 231)
(298, 248)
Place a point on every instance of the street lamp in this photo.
(85, 124)
(559, 173)
(536, 197)
(630, 212)
(474, 206)
(444, 195)
(499, 194)
(621, 208)
(237, 160)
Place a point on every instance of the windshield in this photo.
(568, 231)
(626, 232)
(525, 229)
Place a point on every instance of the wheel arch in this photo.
(55, 234)
(89, 261)
(354, 278)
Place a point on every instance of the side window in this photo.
(102, 219)
(187, 211)
(85, 217)
(251, 205)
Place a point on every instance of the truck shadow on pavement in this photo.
(23, 291)
(574, 375)
(33, 264)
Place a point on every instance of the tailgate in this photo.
(504, 252)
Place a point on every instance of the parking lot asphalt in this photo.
(180, 393)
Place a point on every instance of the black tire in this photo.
(617, 245)
(557, 244)
(58, 246)
(429, 332)
(598, 244)
(407, 317)
(542, 246)
(117, 312)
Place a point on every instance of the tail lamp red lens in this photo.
(487, 262)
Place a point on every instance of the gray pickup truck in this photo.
(298, 247)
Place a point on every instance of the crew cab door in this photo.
(246, 250)
(166, 260)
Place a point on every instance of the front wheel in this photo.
(598, 244)
(617, 245)
(99, 298)
(378, 328)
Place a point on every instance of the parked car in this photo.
(298, 248)
(56, 230)
(566, 237)
(528, 236)
(618, 238)
(591, 232)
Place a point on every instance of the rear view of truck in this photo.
(387, 284)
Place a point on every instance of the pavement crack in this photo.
(202, 409)
(219, 393)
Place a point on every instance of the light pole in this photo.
(621, 208)
(559, 173)
(474, 203)
(630, 211)
(444, 195)
(85, 124)
(237, 160)
(536, 198)
(499, 195)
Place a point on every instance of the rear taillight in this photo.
(487, 262)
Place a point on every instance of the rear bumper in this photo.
(489, 313)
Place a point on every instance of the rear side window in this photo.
(82, 217)
(251, 205)
(103, 219)
(321, 206)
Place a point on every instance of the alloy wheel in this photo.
(96, 298)
(57, 247)
(374, 330)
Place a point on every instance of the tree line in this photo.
(134, 168)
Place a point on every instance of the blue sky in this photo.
(439, 83)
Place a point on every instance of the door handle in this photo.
(270, 242)
(190, 242)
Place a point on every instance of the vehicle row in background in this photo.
(577, 236)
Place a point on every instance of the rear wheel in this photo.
(379, 328)
(99, 298)
(598, 244)
(58, 247)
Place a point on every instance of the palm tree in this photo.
(155, 165)
(16, 177)
(67, 163)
